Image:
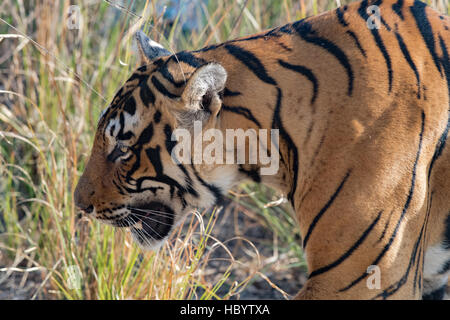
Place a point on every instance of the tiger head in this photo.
(131, 179)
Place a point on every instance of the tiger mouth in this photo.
(148, 222)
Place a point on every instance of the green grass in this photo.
(51, 93)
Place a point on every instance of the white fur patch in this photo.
(154, 44)
(130, 122)
(225, 177)
(111, 123)
(435, 258)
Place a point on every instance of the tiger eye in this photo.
(123, 149)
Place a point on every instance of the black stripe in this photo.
(388, 222)
(442, 141)
(252, 173)
(121, 135)
(316, 152)
(212, 188)
(275, 32)
(169, 146)
(308, 132)
(120, 96)
(397, 7)
(251, 62)
(409, 60)
(130, 106)
(418, 11)
(169, 77)
(416, 274)
(282, 45)
(118, 187)
(358, 44)
(404, 210)
(305, 72)
(437, 294)
(443, 138)
(210, 47)
(228, 93)
(157, 116)
(154, 156)
(160, 87)
(445, 268)
(146, 93)
(349, 251)
(188, 58)
(340, 16)
(304, 30)
(393, 288)
(417, 283)
(378, 3)
(440, 145)
(140, 189)
(243, 112)
(292, 148)
(379, 42)
(447, 232)
(420, 280)
(420, 241)
(188, 179)
(111, 210)
(145, 136)
(111, 130)
(136, 76)
(324, 209)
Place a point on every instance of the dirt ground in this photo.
(15, 287)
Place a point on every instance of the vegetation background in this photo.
(54, 81)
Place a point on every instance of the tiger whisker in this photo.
(138, 216)
(143, 234)
(151, 211)
(147, 213)
(142, 221)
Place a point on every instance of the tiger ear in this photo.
(149, 49)
(203, 89)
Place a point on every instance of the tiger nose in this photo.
(83, 196)
(88, 209)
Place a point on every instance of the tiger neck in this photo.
(282, 169)
(241, 116)
(252, 99)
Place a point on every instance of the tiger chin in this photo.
(362, 116)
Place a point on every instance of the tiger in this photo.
(361, 104)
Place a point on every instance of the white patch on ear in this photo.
(208, 79)
(155, 44)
